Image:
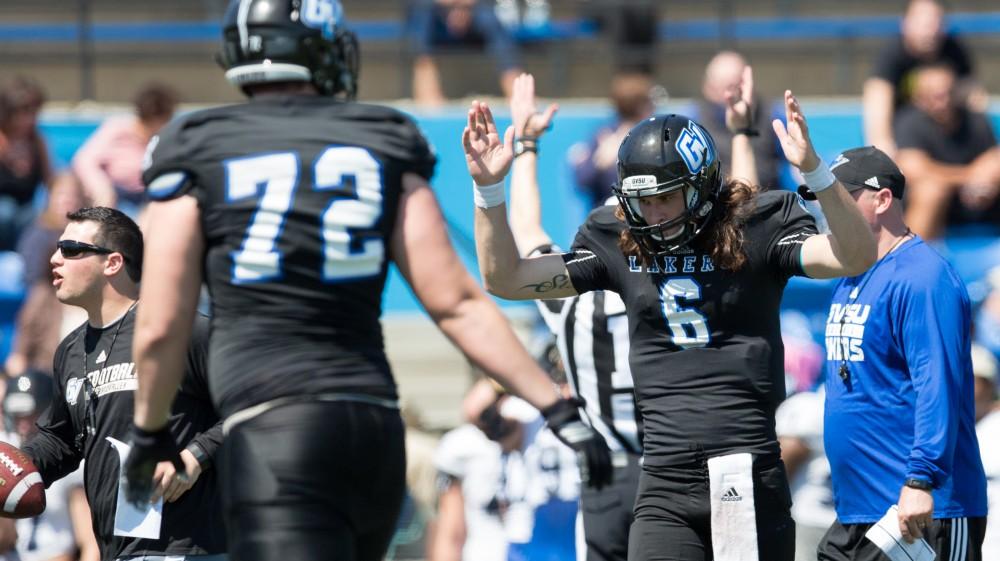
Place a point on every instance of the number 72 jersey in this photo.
(298, 198)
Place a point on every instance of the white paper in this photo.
(886, 535)
(132, 522)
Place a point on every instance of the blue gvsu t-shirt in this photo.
(906, 408)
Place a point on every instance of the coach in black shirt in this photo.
(97, 267)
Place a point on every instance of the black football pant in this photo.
(953, 539)
(607, 513)
(314, 480)
(673, 514)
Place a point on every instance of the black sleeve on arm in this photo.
(53, 449)
(168, 172)
(206, 444)
(594, 252)
(586, 270)
(789, 225)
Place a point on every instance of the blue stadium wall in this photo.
(834, 127)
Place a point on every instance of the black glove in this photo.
(148, 449)
(563, 417)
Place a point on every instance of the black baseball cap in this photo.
(864, 168)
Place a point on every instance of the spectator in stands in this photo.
(922, 40)
(65, 527)
(594, 162)
(633, 27)
(508, 486)
(984, 367)
(37, 329)
(723, 76)
(799, 426)
(109, 164)
(24, 157)
(436, 24)
(950, 156)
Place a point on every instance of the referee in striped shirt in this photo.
(592, 335)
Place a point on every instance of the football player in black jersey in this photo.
(292, 206)
(591, 329)
(700, 262)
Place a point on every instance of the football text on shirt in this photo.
(845, 330)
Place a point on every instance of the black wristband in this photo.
(921, 484)
(199, 454)
(747, 131)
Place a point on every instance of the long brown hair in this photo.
(723, 238)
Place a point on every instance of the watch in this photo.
(921, 484)
(199, 454)
(526, 144)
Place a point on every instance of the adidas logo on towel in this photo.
(873, 182)
(731, 495)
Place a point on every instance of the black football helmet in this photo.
(661, 154)
(290, 41)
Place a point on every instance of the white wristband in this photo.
(488, 196)
(819, 179)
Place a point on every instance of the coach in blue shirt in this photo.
(900, 417)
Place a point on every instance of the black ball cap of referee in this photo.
(864, 168)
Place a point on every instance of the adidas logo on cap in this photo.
(873, 182)
(731, 495)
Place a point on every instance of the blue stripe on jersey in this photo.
(166, 185)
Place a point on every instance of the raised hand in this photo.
(739, 108)
(486, 157)
(523, 110)
(795, 141)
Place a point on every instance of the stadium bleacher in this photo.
(128, 42)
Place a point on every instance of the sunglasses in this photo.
(72, 249)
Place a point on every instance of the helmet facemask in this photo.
(666, 154)
(675, 233)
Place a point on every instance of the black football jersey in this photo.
(90, 419)
(298, 198)
(706, 353)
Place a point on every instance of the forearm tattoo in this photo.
(558, 281)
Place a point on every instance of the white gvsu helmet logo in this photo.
(322, 15)
(694, 147)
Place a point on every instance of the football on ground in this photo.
(22, 493)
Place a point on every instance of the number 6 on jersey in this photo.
(688, 327)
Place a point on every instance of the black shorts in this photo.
(673, 514)
(607, 514)
(953, 539)
(313, 480)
